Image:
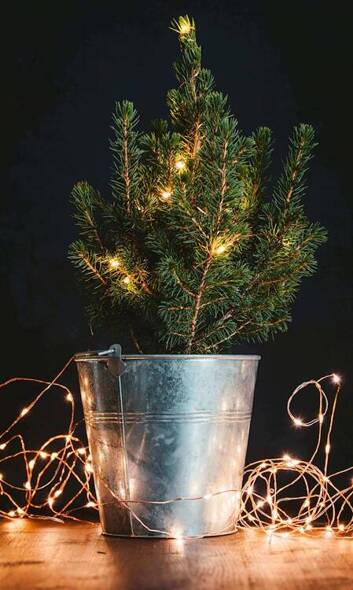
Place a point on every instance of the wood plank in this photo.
(49, 556)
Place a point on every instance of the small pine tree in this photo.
(194, 245)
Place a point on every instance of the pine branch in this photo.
(127, 154)
(86, 201)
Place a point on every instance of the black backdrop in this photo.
(64, 64)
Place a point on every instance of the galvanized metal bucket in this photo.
(168, 436)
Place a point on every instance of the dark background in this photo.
(63, 66)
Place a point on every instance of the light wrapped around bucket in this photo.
(165, 429)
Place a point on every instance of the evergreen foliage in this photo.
(196, 245)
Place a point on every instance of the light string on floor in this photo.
(281, 496)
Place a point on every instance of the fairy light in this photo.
(126, 280)
(88, 468)
(298, 422)
(180, 164)
(185, 27)
(114, 263)
(24, 412)
(336, 379)
(166, 195)
(218, 249)
(265, 503)
(278, 480)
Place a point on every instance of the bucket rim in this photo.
(93, 356)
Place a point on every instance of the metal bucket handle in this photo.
(114, 363)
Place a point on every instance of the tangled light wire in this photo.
(284, 496)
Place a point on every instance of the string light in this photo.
(220, 246)
(322, 499)
(266, 502)
(166, 195)
(126, 280)
(180, 164)
(59, 476)
(114, 263)
(185, 27)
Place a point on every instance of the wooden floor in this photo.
(62, 557)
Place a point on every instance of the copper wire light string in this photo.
(265, 503)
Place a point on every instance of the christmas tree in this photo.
(195, 247)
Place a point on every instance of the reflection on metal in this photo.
(167, 427)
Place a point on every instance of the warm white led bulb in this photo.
(166, 195)
(114, 263)
(185, 28)
(180, 164)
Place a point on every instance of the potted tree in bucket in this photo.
(194, 251)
